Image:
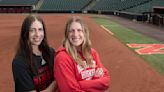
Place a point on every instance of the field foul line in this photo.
(107, 30)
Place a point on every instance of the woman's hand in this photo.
(51, 88)
(99, 72)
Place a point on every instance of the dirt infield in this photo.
(129, 73)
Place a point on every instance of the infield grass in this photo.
(126, 36)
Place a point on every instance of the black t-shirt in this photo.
(26, 80)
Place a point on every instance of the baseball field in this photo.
(134, 61)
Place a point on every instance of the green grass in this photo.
(126, 36)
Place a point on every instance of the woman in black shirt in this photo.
(33, 63)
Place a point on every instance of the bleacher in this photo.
(147, 7)
(17, 2)
(116, 5)
(63, 5)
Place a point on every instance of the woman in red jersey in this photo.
(77, 66)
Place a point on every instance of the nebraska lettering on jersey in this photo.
(86, 73)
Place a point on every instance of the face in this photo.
(36, 33)
(75, 34)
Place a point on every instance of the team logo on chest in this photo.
(86, 73)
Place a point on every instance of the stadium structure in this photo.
(141, 10)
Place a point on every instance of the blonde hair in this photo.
(86, 45)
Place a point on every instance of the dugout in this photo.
(158, 16)
(15, 9)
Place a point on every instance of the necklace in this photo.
(38, 53)
(43, 61)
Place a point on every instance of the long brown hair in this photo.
(24, 46)
(86, 45)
